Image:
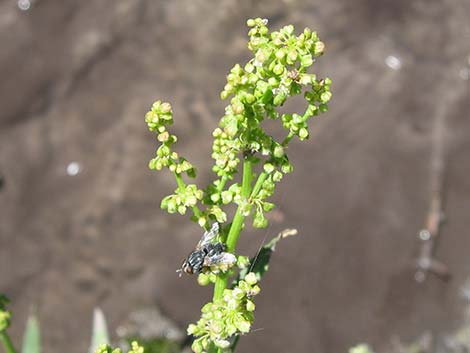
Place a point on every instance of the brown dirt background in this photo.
(77, 79)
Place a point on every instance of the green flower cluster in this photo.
(183, 198)
(5, 316)
(227, 317)
(157, 119)
(277, 71)
(135, 348)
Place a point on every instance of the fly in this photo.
(208, 254)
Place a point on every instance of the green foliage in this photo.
(99, 334)
(227, 317)
(259, 264)
(5, 316)
(32, 336)
(257, 90)
(105, 348)
(160, 345)
(361, 348)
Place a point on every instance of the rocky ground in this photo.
(77, 79)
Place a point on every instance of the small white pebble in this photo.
(24, 5)
(73, 168)
(420, 276)
(424, 263)
(393, 62)
(464, 73)
(465, 290)
(424, 235)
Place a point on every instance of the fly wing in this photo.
(222, 261)
(209, 236)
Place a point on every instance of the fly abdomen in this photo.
(196, 260)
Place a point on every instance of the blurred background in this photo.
(80, 224)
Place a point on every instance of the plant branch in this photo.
(222, 183)
(237, 224)
(6, 341)
(259, 183)
(426, 262)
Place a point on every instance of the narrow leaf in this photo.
(32, 336)
(260, 263)
(100, 334)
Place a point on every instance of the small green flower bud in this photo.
(278, 152)
(249, 98)
(292, 56)
(203, 279)
(268, 168)
(238, 107)
(197, 346)
(212, 277)
(277, 176)
(227, 197)
(242, 325)
(250, 306)
(135, 348)
(215, 198)
(323, 108)
(251, 279)
(289, 29)
(182, 209)
(278, 69)
(280, 98)
(255, 291)
(306, 60)
(259, 221)
(202, 222)
(165, 107)
(224, 94)
(303, 133)
(5, 317)
(243, 261)
(287, 168)
(171, 206)
(280, 54)
(319, 48)
(163, 137)
(325, 96)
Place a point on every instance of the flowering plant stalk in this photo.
(5, 317)
(257, 91)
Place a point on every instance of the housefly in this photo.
(208, 254)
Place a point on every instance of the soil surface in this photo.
(77, 79)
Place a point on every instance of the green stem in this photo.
(289, 137)
(259, 183)
(180, 182)
(237, 224)
(6, 341)
(234, 344)
(222, 183)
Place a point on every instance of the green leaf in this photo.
(100, 334)
(259, 264)
(32, 336)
